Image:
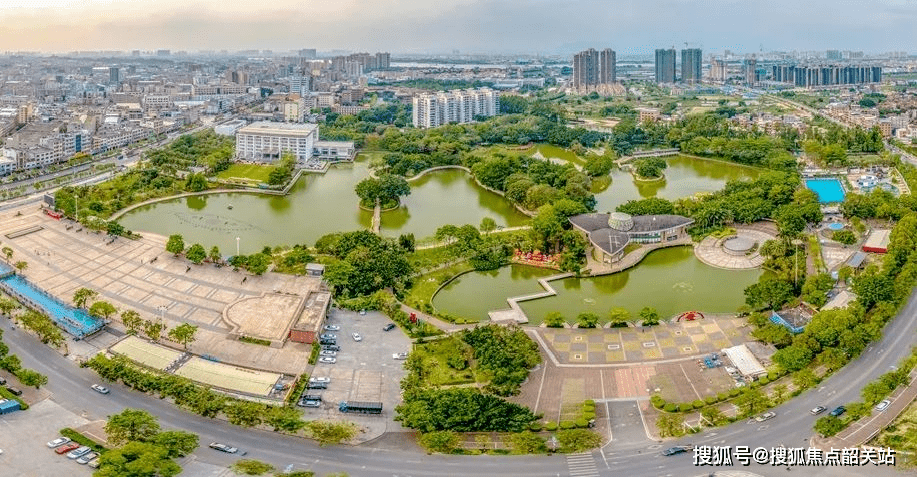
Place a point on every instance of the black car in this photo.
(328, 342)
(388, 327)
(317, 386)
(331, 348)
(14, 391)
(838, 411)
(676, 450)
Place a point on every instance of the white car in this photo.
(223, 448)
(331, 328)
(58, 442)
(400, 356)
(321, 379)
(766, 416)
(99, 389)
(883, 405)
(328, 352)
(327, 360)
(357, 337)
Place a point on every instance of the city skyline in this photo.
(469, 26)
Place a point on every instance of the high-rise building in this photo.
(458, 106)
(718, 70)
(833, 55)
(808, 76)
(592, 68)
(665, 66)
(690, 65)
(383, 60)
(749, 71)
(300, 84)
(307, 53)
(114, 75)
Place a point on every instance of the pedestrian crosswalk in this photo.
(582, 465)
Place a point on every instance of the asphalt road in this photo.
(792, 426)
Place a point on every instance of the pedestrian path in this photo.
(582, 465)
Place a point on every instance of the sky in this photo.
(469, 26)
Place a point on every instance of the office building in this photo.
(690, 65)
(593, 68)
(665, 66)
(459, 106)
(114, 75)
(301, 85)
(267, 141)
(833, 55)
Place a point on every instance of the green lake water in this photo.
(671, 280)
(317, 205)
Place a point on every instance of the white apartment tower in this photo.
(458, 106)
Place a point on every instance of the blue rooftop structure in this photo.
(779, 320)
(72, 320)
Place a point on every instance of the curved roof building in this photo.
(612, 232)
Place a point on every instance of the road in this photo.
(792, 426)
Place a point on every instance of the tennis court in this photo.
(145, 353)
(229, 377)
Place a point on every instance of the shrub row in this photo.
(660, 403)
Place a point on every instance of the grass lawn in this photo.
(252, 172)
(901, 435)
(436, 356)
(426, 285)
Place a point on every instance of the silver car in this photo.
(78, 452)
(328, 352)
(86, 458)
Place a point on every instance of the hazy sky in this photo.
(416, 26)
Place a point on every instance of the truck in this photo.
(361, 407)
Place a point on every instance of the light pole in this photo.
(162, 311)
(237, 246)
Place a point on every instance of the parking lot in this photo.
(23, 436)
(364, 371)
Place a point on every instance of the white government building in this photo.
(266, 141)
(457, 106)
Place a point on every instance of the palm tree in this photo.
(8, 252)
(21, 265)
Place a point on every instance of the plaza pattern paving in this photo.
(140, 275)
(623, 345)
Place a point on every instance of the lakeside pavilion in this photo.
(610, 233)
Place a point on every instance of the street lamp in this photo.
(162, 311)
(237, 246)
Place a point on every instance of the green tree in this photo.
(828, 426)
(258, 263)
(714, 416)
(21, 265)
(752, 400)
(32, 378)
(176, 443)
(176, 244)
(670, 425)
(195, 182)
(82, 295)
(649, 315)
(618, 317)
(329, 432)
(251, 467)
(102, 309)
(805, 379)
(439, 441)
(196, 254)
(846, 237)
(816, 287)
(245, 414)
(8, 252)
(587, 320)
(527, 442)
(153, 329)
(114, 228)
(284, 419)
(578, 440)
(768, 293)
(215, 256)
(183, 334)
(368, 190)
(793, 357)
(488, 225)
(7, 306)
(132, 321)
(648, 206)
(555, 320)
(131, 425)
(137, 459)
(872, 288)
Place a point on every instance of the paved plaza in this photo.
(664, 342)
(140, 275)
(712, 252)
